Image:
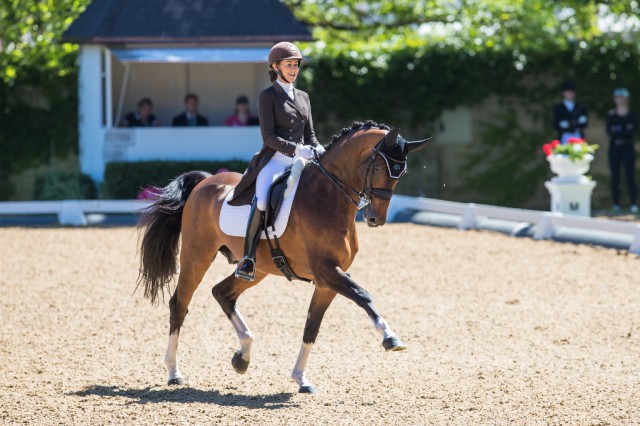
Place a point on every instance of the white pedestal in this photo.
(571, 196)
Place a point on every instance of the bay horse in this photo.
(362, 166)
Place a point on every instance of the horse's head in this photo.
(380, 170)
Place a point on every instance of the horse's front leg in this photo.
(226, 293)
(320, 301)
(340, 282)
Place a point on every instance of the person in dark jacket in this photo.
(190, 116)
(142, 117)
(621, 127)
(287, 132)
(569, 117)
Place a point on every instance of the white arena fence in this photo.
(546, 223)
(74, 213)
(71, 212)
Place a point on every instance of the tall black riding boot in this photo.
(247, 267)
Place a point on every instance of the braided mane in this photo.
(357, 125)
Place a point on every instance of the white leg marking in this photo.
(383, 328)
(298, 371)
(171, 357)
(244, 334)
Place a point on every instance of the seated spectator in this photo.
(143, 117)
(190, 116)
(241, 116)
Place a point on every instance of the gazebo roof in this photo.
(186, 21)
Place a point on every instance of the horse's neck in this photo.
(342, 162)
(322, 195)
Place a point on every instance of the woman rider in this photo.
(287, 132)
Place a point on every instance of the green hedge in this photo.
(63, 185)
(123, 180)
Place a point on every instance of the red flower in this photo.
(547, 148)
(575, 140)
(555, 143)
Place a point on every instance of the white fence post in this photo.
(544, 228)
(72, 214)
(469, 220)
(635, 244)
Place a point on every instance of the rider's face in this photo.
(290, 68)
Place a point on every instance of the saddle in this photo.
(274, 203)
(275, 198)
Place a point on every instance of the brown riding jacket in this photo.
(284, 124)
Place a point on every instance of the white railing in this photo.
(546, 223)
(182, 143)
(73, 212)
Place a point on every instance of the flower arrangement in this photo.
(575, 148)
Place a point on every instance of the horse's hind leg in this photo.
(320, 301)
(226, 293)
(339, 281)
(191, 275)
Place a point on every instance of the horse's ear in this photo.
(417, 145)
(391, 137)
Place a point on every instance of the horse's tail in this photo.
(161, 223)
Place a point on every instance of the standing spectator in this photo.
(241, 115)
(569, 117)
(190, 116)
(621, 126)
(143, 117)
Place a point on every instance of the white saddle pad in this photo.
(233, 220)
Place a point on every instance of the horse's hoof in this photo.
(239, 364)
(308, 389)
(176, 381)
(393, 343)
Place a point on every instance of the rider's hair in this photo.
(272, 74)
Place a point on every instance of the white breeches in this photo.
(274, 169)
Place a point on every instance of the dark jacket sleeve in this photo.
(556, 118)
(202, 120)
(632, 125)
(621, 127)
(309, 133)
(178, 122)
(266, 110)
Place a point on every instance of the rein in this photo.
(367, 193)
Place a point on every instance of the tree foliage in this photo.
(465, 24)
(31, 33)
(38, 88)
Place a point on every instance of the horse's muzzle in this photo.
(373, 221)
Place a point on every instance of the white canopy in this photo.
(191, 55)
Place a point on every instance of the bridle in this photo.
(395, 168)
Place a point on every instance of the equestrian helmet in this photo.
(283, 51)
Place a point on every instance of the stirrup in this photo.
(244, 275)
